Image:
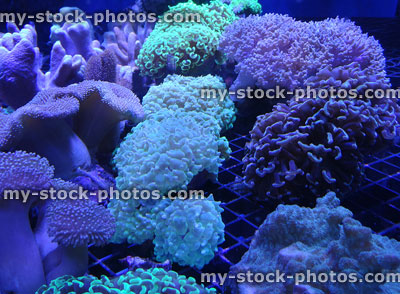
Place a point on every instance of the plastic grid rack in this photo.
(376, 204)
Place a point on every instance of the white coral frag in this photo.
(190, 94)
(189, 231)
(168, 149)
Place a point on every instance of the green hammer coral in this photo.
(188, 45)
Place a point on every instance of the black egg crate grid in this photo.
(375, 205)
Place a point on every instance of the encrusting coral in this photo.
(322, 240)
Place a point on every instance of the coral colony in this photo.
(124, 109)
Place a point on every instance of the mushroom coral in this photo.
(276, 49)
(190, 44)
(168, 149)
(79, 223)
(64, 124)
(29, 253)
(21, 269)
(154, 280)
(321, 240)
(65, 231)
(316, 145)
(179, 92)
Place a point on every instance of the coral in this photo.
(245, 7)
(20, 75)
(179, 92)
(102, 67)
(125, 41)
(316, 145)
(188, 44)
(102, 106)
(326, 238)
(39, 127)
(153, 280)
(79, 222)
(19, 65)
(43, 125)
(76, 39)
(168, 149)
(277, 50)
(19, 252)
(189, 231)
(135, 221)
(349, 77)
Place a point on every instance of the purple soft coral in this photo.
(278, 50)
(18, 249)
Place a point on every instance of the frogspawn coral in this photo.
(316, 145)
(188, 44)
(190, 94)
(154, 280)
(276, 49)
(322, 240)
(188, 232)
(168, 150)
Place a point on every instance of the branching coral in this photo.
(277, 50)
(20, 75)
(168, 149)
(178, 92)
(325, 239)
(155, 280)
(19, 65)
(316, 145)
(189, 231)
(189, 44)
(125, 41)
